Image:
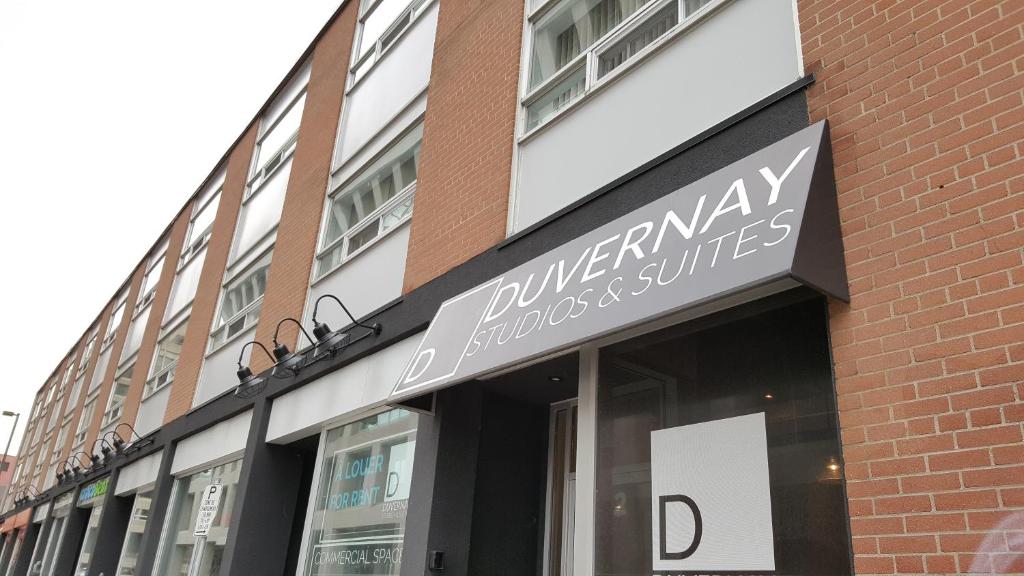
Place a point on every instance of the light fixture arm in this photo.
(375, 327)
(297, 323)
(251, 342)
(87, 457)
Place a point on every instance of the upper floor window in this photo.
(240, 301)
(115, 402)
(115, 321)
(67, 376)
(154, 267)
(200, 226)
(277, 141)
(377, 200)
(166, 359)
(85, 421)
(576, 43)
(87, 354)
(381, 23)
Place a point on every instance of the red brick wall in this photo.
(288, 280)
(925, 103)
(469, 129)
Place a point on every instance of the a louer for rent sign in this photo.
(769, 217)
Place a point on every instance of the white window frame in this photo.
(83, 362)
(307, 525)
(218, 326)
(83, 427)
(112, 410)
(258, 175)
(203, 201)
(360, 67)
(156, 381)
(589, 57)
(157, 257)
(372, 218)
(114, 322)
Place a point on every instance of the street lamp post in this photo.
(3, 463)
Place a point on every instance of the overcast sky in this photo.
(113, 113)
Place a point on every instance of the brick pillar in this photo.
(468, 137)
(288, 280)
(925, 104)
(186, 375)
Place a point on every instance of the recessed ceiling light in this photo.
(768, 396)
(555, 378)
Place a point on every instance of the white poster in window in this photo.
(399, 479)
(711, 500)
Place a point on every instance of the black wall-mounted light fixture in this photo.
(329, 341)
(288, 363)
(250, 385)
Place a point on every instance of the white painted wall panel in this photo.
(362, 385)
(365, 283)
(218, 372)
(223, 439)
(393, 83)
(741, 54)
(138, 473)
(151, 412)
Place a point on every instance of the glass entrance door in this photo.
(561, 499)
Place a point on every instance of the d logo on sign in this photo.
(698, 526)
(711, 498)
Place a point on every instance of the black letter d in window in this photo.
(698, 527)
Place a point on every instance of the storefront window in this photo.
(358, 520)
(133, 536)
(91, 496)
(12, 558)
(717, 448)
(61, 508)
(178, 543)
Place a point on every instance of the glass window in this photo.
(185, 285)
(76, 389)
(177, 542)
(133, 536)
(115, 403)
(58, 446)
(166, 359)
(377, 20)
(92, 529)
(746, 398)
(115, 322)
(379, 199)
(358, 521)
(279, 136)
(135, 333)
(61, 506)
(202, 222)
(12, 560)
(564, 35)
(85, 421)
(239, 307)
(153, 276)
(87, 354)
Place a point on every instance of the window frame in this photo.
(249, 265)
(259, 175)
(189, 251)
(588, 58)
(373, 217)
(83, 362)
(166, 332)
(158, 256)
(107, 419)
(361, 66)
(114, 322)
(325, 428)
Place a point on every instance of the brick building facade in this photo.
(424, 159)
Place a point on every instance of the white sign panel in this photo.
(208, 508)
(711, 499)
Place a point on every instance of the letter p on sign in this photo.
(711, 497)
